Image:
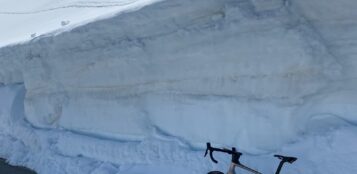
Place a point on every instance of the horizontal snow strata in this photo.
(194, 69)
(335, 22)
(11, 66)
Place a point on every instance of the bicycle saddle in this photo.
(286, 158)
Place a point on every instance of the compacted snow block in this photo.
(225, 71)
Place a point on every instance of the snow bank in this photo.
(222, 71)
(143, 91)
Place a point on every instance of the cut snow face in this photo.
(195, 70)
(25, 20)
(140, 90)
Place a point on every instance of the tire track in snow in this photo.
(91, 4)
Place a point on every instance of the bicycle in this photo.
(236, 163)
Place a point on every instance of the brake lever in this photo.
(207, 148)
(210, 149)
(211, 155)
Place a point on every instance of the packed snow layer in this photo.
(230, 72)
(335, 22)
(25, 20)
(59, 151)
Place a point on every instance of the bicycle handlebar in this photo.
(235, 154)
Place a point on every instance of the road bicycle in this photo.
(236, 163)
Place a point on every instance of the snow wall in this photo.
(247, 73)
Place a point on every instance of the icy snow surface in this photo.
(144, 90)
